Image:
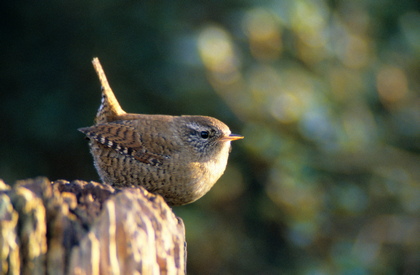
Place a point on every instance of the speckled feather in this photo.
(124, 139)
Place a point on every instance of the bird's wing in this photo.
(124, 139)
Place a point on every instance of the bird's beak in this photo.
(232, 137)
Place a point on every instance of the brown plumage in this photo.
(178, 157)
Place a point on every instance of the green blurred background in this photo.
(325, 92)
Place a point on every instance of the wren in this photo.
(177, 157)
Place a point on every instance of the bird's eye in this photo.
(204, 134)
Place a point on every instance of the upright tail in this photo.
(110, 109)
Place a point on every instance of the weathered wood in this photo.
(82, 227)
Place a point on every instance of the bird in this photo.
(177, 157)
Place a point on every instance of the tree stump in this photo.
(83, 227)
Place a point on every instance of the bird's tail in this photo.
(110, 109)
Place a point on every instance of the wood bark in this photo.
(80, 227)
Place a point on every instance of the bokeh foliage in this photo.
(325, 92)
